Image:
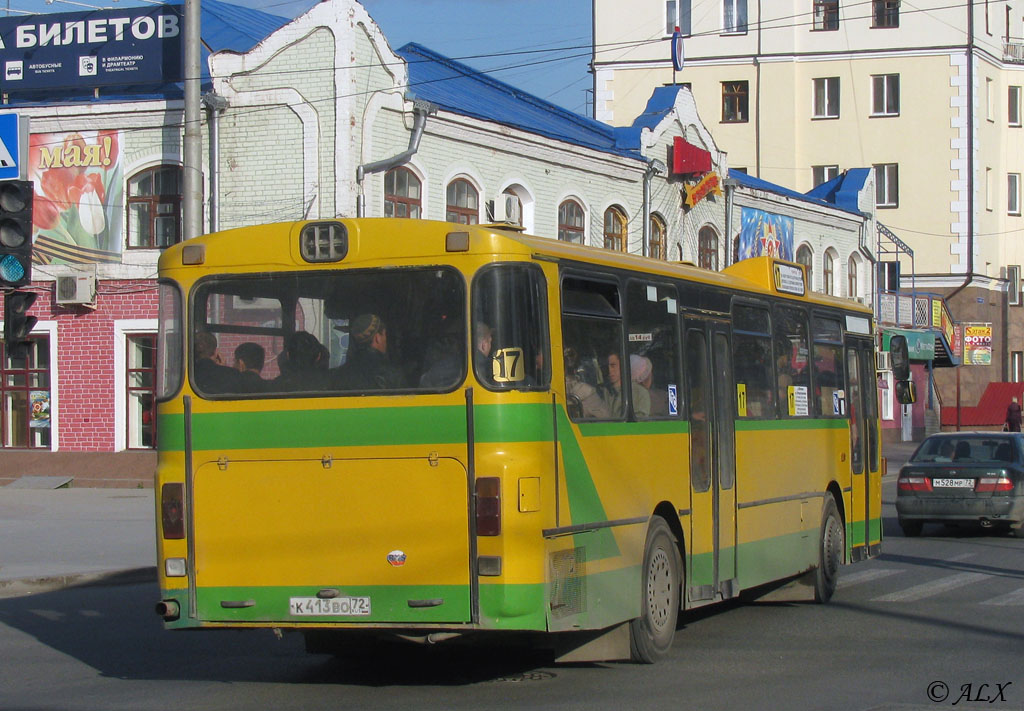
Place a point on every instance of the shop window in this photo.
(402, 194)
(141, 377)
(707, 249)
(26, 397)
(570, 222)
(615, 229)
(657, 248)
(735, 102)
(463, 205)
(154, 207)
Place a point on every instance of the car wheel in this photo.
(651, 634)
(911, 529)
(830, 552)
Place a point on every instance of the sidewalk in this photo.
(54, 538)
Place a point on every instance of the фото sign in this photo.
(124, 47)
(978, 344)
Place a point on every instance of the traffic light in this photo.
(17, 323)
(15, 232)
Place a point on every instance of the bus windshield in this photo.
(323, 333)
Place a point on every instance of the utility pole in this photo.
(192, 144)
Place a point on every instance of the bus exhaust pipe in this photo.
(168, 609)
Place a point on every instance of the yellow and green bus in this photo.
(416, 428)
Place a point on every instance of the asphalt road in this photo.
(933, 621)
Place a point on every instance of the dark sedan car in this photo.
(960, 477)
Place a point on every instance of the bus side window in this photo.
(591, 332)
(793, 373)
(652, 327)
(752, 363)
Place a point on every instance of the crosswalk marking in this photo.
(1013, 598)
(934, 587)
(863, 576)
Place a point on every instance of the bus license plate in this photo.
(953, 483)
(338, 606)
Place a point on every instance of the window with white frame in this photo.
(886, 394)
(1013, 106)
(1013, 285)
(887, 185)
(990, 100)
(885, 95)
(1013, 193)
(989, 189)
(826, 97)
(734, 16)
(804, 256)
(140, 379)
(826, 15)
(677, 14)
(823, 173)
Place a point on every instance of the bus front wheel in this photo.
(831, 551)
(651, 634)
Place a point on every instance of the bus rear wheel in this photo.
(651, 634)
(831, 551)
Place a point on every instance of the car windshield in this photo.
(968, 449)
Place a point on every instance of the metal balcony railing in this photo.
(1013, 52)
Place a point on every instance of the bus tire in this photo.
(651, 634)
(830, 552)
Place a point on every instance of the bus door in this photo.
(712, 550)
(866, 501)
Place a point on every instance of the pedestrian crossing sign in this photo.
(13, 146)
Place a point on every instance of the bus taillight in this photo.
(172, 510)
(488, 506)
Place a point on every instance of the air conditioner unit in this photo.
(76, 289)
(883, 361)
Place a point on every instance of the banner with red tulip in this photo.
(79, 206)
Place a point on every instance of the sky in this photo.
(540, 46)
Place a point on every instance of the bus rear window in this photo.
(320, 333)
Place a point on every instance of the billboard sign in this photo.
(763, 234)
(102, 48)
(978, 344)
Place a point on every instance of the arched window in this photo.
(154, 207)
(615, 229)
(803, 256)
(851, 278)
(829, 272)
(463, 203)
(707, 249)
(570, 222)
(658, 248)
(402, 193)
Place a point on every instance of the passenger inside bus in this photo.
(642, 371)
(211, 375)
(303, 363)
(582, 398)
(368, 366)
(483, 340)
(249, 360)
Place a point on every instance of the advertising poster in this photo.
(39, 408)
(763, 234)
(78, 214)
(978, 344)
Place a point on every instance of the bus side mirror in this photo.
(900, 358)
(906, 392)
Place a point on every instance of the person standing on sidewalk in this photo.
(1013, 416)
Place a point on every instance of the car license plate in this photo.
(337, 607)
(953, 483)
